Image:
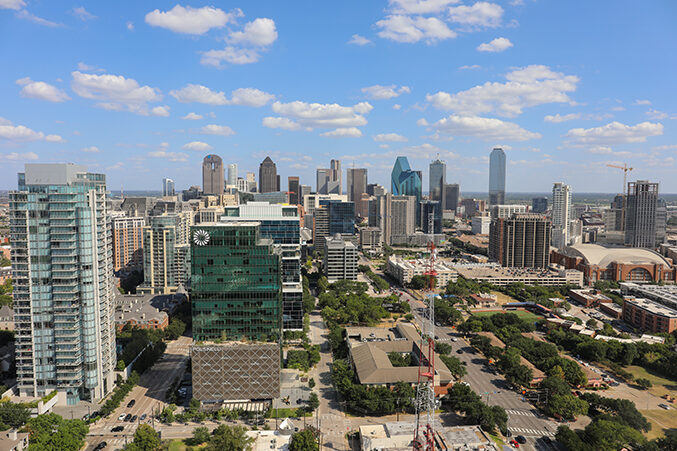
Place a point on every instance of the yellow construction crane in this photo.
(625, 169)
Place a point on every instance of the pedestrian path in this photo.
(531, 432)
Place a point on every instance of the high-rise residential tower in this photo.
(269, 180)
(127, 242)
(63, 289)
(497, 177)
(212, 175)
(640, 214)
(232, 174)
(561, 214)
(166, 253)
(438, 178)
(168, 187)
(521, 241)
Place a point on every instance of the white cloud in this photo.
(401, 28)
(130, 26)
(557, 118)
(23, 14)
(250, 97)
(81, 13)
(15, 156)
(666, 147)
(472, 67)
(397, 106)
(281, 122)
(4, 121)
(312, 115)
(41, 90)
(199, 94)
(12, 4)
(197, 146)
(486, 128)
(192, 117)
(642, 102)
(389, 137)
(615, 132)
(115, 92)
(212, 129)
(190, 20)
(384, 146)
(348, 132)
(656, 115)
(88, 68)
(378, 92)
(162, 111)
(606, 150)
(171, 156)
(359, 40)
(91, 149)
(230, 55)
(526, 87)
(419, 6)
(481, 14)
(20, 133)
(496, 45)
(260, 32)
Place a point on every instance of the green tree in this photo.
(442, 347)
(519, 375)
(303, 441)
(606, 435)
(145, 439)
(399, 360)
(51, 432)
(13, 415)
(644, 383)
(313, 402)
(591, 323)
(311, 382)
(175, 329)
(568, 406)
(229, 438)
(200, 435)
(455, 366)
(120, 365)
(571, 440)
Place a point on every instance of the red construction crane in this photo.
(625, 170)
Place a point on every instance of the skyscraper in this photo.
(294, 190)
(251, 182)
(63, 289)
(404, 181)
(165, 253)
(127, 242)
(168, 187)
(438, 178)
(212, 175)
(356, 186)
(452, 196)
(431, 216)
(329, 180)
(539, 204)
(269, 181)
(640, 214)
(232, 174)
(497, 177)
(522, 241)
(561, 214)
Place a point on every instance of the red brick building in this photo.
(649, 315)
(615, 263)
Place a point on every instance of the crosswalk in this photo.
(525, 413)
(531, 432)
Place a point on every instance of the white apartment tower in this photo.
(561, 214)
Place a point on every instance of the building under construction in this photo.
(521, 241)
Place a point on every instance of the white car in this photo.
(121, 417)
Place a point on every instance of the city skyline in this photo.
(137, 116)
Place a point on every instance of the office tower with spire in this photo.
(329, 180)
(269, 180)
(561, 214)
(168, 187)
(212, 175)
(63, 289)
(437, 175)
(642, 211)
(232, 174)
(497, 177)
(356, 179)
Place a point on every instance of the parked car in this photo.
(521, 439)
(131, 403)
(508, 433)
(134, 418)
(118, 429)
(143, 417)
(121, 417)
(459, 351)
(664, 406)
(100, 446)
(128, 417)
(547, 439)
(514, 443)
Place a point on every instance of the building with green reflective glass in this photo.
(236, 286)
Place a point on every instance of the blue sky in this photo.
(143, 90)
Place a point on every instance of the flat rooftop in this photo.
(652, 307)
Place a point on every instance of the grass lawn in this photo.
(660, 419)
(661, 385)
(288, 412)
(528, 316)
(503, 298)
(177, 445)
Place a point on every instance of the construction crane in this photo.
(424, 436)
(625, 170)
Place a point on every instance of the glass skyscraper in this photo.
(405, 182)
(497, 177)
(62, 275)
(236, 283)
(438, 178)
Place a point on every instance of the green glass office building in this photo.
(235, 283)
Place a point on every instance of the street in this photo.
(149, 395)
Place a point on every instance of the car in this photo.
(133, 419)
(459, 351)
(454, 339)
(143, 417)
(547, 439)
(436, 337)
(131, 403)
(128, 417)
(514, 443)
(100, 446)
(521, 439)
(118, 429)
(664, 406)
(121, 417)
(508, 433)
